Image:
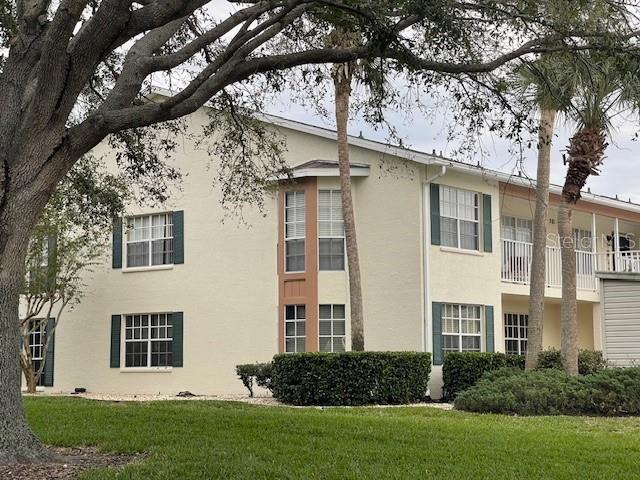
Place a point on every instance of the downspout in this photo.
(426, 337)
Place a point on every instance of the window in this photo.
(330, 230)
(150, 240)
(332, 328)
(148, 340)
(518, 229)
(295, 230)
(295, 328)
(37, 337)
(461, 328)
(582, 240)
(459, 214)
(515, 333)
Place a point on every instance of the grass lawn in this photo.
(204, 440)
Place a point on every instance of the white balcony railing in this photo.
(516, 265)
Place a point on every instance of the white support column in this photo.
(594, 250)
(616, 246)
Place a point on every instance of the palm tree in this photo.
(605, 86)
(343, 74)
(545, 81)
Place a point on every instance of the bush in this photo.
(553, 392)
(589, 361)
(261, 373)
(462, 370)
(351, 378)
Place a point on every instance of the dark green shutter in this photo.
(177, 322)
(436, 321)
(116, 261)
(488, 321)
(434, 201)
(486, 223)
(178, 237)
(47, 373)
(115, 340)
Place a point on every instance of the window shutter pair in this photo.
(434, 197)
(178, 240)
(436, 322)
(177, 322)
(47, 373)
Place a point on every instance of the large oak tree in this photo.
(76, 72)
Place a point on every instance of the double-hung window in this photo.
(294, 328)
(295, 231)
(37, 336)
(518, 229)
(459, 218)
(150, 240)
(332, 328)
(583, 240)
(461, 328)
(515, 333)
(330, 230)
(148, 340)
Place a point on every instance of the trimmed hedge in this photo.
(462, 370)
(611, 392)
(261, 373)
(589, 361)
(351, 378)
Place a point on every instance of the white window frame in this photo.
(332, 222)
(32, 334)
(288, 238)
(519, 317)
(332, 321)
(295, 321)
(580, 234)
(149, 240)
(149, 339)
(460, 334)
(519, 225)
(458, 218)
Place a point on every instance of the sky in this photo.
(620, 174)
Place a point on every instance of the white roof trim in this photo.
(418, 157)
(323, 172)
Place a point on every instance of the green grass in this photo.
(204, 440)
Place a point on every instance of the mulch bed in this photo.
(72, 461)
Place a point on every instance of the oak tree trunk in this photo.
(342, 94)
(18, 443)
(568, 305)
(538, 257)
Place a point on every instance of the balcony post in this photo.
(616, 246)
(594, 250)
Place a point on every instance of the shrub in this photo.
(553, 392)
(589, 361)
(261, 373)
(462, 370)
(351, 378)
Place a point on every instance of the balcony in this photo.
(516, 264)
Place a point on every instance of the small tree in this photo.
(70, 238)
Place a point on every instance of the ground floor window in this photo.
(295, 328)
(37, 336)
(332, 328)
(461, 328)
(515, 333)
(148, 340)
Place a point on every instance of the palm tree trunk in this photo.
(569, 305)
(342, 81)
(538, 257)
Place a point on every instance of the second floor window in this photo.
(518, 229)
(294, 231)
(583, 240)
(150, 240)
(330, 230)
(459, 218)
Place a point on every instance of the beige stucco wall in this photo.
(227, 287)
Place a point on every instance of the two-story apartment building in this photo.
(444, 246)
